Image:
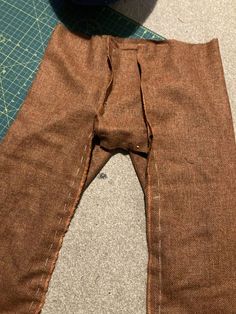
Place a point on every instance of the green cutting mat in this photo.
(25, 27)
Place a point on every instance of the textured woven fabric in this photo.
(166, 104)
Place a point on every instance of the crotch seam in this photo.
(110, 67)
(148, 125)
(108, 88)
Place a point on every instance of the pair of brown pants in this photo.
(164, 102)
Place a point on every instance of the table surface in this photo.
(25, 27)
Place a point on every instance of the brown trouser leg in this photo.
(192, 175)
(164, 102)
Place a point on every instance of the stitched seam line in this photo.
(149, 239)
(159, 234)
(149, 199)
(149, 206)
(62, 235)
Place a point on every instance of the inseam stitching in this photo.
(159, 239)
(64, 210)
(149, 205)
(149, 238)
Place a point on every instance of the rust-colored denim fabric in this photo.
(164, 102)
